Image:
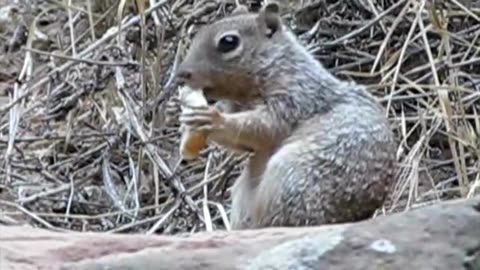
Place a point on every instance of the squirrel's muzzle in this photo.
(192, 77)
(183, 75)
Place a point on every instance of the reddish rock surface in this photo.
(444, 236)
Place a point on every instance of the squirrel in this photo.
(322, 151)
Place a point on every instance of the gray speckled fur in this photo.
(333, 153)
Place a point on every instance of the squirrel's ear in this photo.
(240, 9)
(269, 18)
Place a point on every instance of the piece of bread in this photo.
(192, 142)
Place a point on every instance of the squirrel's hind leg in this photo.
(279, 200)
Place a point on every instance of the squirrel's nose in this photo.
(192, 76)
(184, 74)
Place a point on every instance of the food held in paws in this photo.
(192, 142)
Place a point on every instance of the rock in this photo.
(443, 236)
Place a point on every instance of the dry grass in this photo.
(89, 135)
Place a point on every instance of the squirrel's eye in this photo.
(228, 43)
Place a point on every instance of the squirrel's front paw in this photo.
(204, 119)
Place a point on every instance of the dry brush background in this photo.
(88, 116)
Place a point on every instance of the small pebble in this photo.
(384, 246)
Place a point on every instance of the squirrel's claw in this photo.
(203, 128)
(206, 119)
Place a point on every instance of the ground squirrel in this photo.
(323, 151)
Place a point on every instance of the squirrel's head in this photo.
(225, 57)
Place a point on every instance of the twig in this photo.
(108, 35)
